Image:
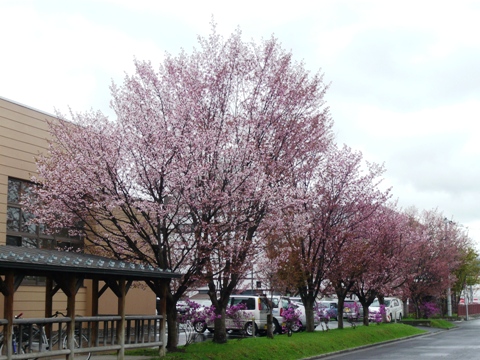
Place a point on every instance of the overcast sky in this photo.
(405, 75)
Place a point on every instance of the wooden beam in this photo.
(8, 312)
(18, 280)
(121, 323)
(48, 304)
(95, 298)
(63, 283)
(114, 286)
(163, 311)
(3, 287)
(79, 284)
(55, 289)
(129, 283)
(71, 292)
(102, 290)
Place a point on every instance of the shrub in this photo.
(429, 309)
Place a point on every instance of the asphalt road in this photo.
(460, 343)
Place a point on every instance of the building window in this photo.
(22, 233)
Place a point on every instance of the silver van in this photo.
(252, 319)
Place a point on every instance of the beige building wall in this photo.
(23, 136)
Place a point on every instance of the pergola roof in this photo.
(43, 262)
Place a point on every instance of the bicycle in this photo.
(35, 339)
(288, 328)
(19, 341)
(352, 319)
(48, 343)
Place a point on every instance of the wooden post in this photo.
(8, 312)
(71, 292)
(163, 311)
(121, 323)
(94, 338)
(48, 304)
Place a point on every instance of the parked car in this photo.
(329, 307)
(393, 309)
(352, 309)
(182, 307)
(200, 325)
(280, 304)
(256, 308)
(296, 299)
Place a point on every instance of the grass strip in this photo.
(282, 347)
(436, 323)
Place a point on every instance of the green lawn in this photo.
(300, 345)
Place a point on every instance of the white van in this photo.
(393, 309)
(256, 308)
(280, 304)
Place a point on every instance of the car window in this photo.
(265, 303)
(387, 302)
(249, 302)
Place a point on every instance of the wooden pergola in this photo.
(66, 271)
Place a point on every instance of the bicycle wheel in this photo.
(16, 348)
(3, 351)
(80, 342)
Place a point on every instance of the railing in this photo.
(46, 337)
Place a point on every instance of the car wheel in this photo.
(249, 328)
(276, 329)
(297, 326)
(200, 327)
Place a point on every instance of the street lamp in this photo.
(449, 291)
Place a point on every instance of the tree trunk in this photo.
(381, 301)
(340, 313)
(220, 334)
(366, 322)
(309, 314)
(270, 325)
(172, 339)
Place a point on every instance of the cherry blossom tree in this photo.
(381, 256)
(265, 115)
(434, 253)
(119, 180)
(200, 153)
(320, 227)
